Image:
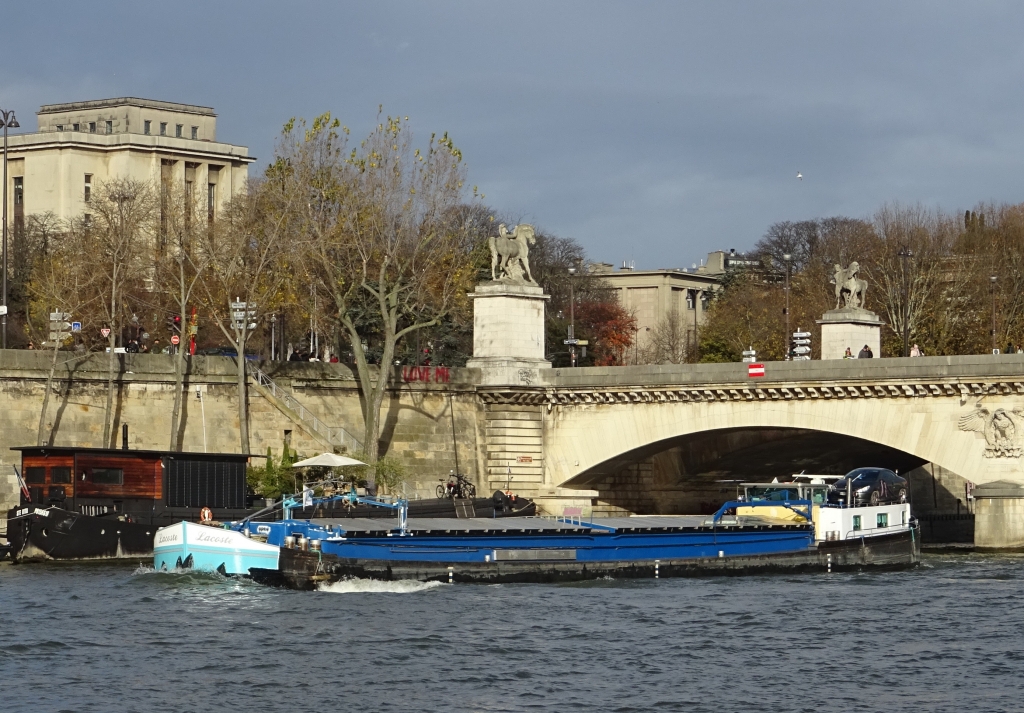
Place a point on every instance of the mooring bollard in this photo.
(656, 565)
(451, 575)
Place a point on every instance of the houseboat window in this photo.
(904, 517)
(107, 476)
(856, 523)
(883, 519)
(60, 474)
(35, 475)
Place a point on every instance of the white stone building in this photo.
(81, 144)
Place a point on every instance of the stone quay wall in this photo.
(416, 415)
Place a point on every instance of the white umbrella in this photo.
(331, 460)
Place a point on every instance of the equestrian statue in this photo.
(509, 254)
(850, 289)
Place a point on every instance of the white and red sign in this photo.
(175, 339)
(755, 371)
(105, 332)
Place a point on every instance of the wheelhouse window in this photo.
(883, 519)
(35, 475)
(107, 476)
(60, 474)
(856, 523)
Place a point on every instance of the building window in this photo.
(163, 128)
(60, 474)
(35, 475)
(195, 132)
(60, 127)
(177, 130)
(110, 126)
(19, 190)
(147, 127)
(87, 221)
(883, 519)
(76, 127)
(856, 523)
(92, 127)
(211, 200)
(88, 187)
(108, 476)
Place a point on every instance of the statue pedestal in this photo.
(508, 333)
(850, 327)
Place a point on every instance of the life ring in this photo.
(205, 515)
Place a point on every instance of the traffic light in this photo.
(174, 323)
(800, 347)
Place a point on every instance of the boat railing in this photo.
(337, 435)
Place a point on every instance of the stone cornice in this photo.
(953, 388)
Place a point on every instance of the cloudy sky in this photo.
(648, 131)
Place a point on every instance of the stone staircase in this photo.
(515, 438)
(331, 437)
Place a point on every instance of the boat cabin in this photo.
(100, 481)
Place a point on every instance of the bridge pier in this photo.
(999, 515)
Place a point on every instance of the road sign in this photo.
(583, 342)
(524, 459)
(105, 332)
(3, 309)
(750, 355)
(58, 316)
(570, 341)
(755, 371)
(76, 326)
(175, 339)
(801, 347)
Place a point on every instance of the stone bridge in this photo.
(670, 438)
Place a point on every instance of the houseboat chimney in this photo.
(124, 436)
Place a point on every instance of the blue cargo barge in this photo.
(798, 530)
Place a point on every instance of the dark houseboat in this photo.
(88, 503)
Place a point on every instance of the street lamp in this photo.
(904, 254)
(785, 342)
(572, 319)
(696, 341)
(8, 120)
(992, 289)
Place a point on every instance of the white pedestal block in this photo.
(508, 333)
(853, 328)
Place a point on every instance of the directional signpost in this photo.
(242, 316)
(749, 355)
(801, 345)
(60, 328)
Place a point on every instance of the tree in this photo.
(178, 275)
(385, 234)
(58, 282)
(244, 256)
(119, 225)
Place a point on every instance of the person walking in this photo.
(865, 353)
(849, 354)
(915, 351)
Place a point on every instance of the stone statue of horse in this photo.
(509, 254)
(850, 289)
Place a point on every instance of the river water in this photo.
(946, 636)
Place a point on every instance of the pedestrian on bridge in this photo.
(915, 351)
(865, 353)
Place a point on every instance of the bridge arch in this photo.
(584, 442)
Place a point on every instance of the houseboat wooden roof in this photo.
(123, 453)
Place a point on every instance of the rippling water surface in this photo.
(947, 636)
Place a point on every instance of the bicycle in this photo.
(457, 486)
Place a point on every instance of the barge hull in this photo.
(306, 570)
